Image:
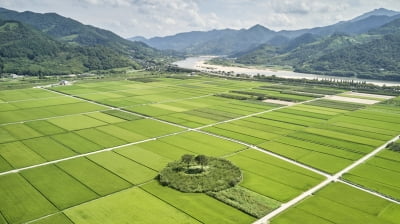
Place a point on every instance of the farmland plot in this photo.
(339, 203)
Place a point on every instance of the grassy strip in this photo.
(336, 104)
(247, 201)
(122, 115)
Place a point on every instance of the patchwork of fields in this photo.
(90, 153)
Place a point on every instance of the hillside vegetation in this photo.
(372, 55)
(24, 50)
(46, 44)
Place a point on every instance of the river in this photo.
(199, 63)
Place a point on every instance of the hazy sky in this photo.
(165, 17)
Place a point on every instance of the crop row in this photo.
(339, 203)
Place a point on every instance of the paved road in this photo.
(333, 178)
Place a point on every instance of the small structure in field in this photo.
(64, 83)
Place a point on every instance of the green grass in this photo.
(75, 108)
(336, 104)
(260, 156)
(121, 133)
(76, 122)
(319, 109)
(247, 201)
(378, 175)
(391, 213)
(351, 131)
(19, 155)
(164, 149)
(145, 157)
(235, 135)
(4, 165)
(362, 127)
(304, 144)
(273, 172)
(58, 187)
(248, 131)
(76, 142)
(45, 127)
(295, 215)
(20, 202)
(48, 148)
(106, 184)
(132, 205)
(122, 115)
(6, 136)
(45, 102)
(284, 180)
(25, 94)
(149, 128)
(276, 123)
(339, 203)
(290, 119)
(200, 206)
(332, 142)
(58, 218)
(253, 122)
(320, 160)
(293, 110)
(21, 131)
(278, 191)
(203, 144)
(368, 122)
(100, 138)
(345, 137)
(124, 167)
(105, 117)
(327, 135)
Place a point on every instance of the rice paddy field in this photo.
(91, 152)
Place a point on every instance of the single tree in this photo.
(187, 159)
(202, 160)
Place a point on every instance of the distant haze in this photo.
(165, 17)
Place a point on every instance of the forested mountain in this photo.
(228, 41)
(377, 59)
(372, 55)
(300, 50)
(24, 50)
(71, 31)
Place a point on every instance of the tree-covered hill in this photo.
(377, 59)
(371, 55)
(73, 32)
(24, 50)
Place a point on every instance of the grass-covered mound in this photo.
(200, 174)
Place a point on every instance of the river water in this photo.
(198, 63)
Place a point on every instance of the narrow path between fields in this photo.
(284, 206)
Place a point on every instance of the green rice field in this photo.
(91, 152)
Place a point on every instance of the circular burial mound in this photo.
(200, 174)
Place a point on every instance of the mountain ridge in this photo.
(74, 32)
(223, 42)
(27, 51)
